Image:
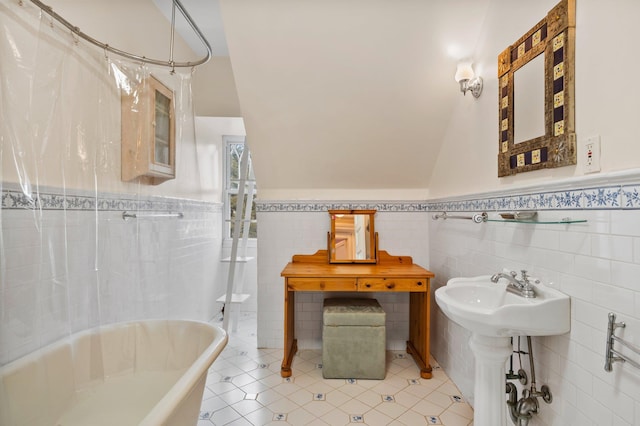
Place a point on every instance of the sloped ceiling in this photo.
(351, 95)
(338, 96)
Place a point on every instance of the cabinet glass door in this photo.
(162, 128)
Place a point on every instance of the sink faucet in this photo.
(521, 287)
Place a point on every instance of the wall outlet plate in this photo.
(591, 154)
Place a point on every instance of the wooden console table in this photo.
(390, 274)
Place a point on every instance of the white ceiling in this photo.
(351, 94)
(341, 94)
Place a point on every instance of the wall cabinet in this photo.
(148, 133)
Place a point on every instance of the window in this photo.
(234, 147)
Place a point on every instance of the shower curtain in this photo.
(68, 259)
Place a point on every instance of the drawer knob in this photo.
(390, 286)
(419, 283)
(367, 285)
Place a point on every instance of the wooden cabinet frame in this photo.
(148, 133)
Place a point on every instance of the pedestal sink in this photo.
(493, 315)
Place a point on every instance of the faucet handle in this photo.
(513, 274)
(525, 276)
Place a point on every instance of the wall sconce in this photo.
(466, 77)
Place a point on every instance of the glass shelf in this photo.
(540, 222)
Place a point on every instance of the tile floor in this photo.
(244, 388)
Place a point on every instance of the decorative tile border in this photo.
(590, 198)
(596, 198)
(625, 196)
(323, 206)
(13, 199)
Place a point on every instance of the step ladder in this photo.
(234, 296)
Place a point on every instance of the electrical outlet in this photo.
(592, 154)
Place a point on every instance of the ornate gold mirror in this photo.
(536, 96)
(352, 238)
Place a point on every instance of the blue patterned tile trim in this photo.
(630, 196)
(323, 206)
(18, 200)
(597, 198)
(593, 198)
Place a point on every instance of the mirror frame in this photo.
(553, 36)
(372, 237)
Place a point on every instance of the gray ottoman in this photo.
(353, 339)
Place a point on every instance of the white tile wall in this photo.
(61, 272)
(283, 234)
(597, 264)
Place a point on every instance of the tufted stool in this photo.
(353, 339)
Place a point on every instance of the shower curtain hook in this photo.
(171, 43)
(74, 35)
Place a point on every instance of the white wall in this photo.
(216, 89)
(596, 263)
(210, 152)
(605, 104)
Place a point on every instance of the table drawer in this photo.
(392, 284)
(321, 284)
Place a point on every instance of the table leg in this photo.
(290, 342)
(418, 344)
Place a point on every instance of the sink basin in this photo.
(487, 309)
(493, 314)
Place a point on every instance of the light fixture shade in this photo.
(464, 71)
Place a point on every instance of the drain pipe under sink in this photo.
(523, 410)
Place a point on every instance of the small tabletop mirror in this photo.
(352, 237)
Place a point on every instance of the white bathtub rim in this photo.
(175, 395)
(182, 389)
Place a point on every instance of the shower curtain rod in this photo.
(176, 3)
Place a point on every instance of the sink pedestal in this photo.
(491, 353)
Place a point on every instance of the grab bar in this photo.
(613, 355)
(127, 215)
(477, 218)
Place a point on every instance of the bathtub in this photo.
(148, 373)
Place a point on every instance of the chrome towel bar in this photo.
(477, 218)
(613, 355)
(127, 215)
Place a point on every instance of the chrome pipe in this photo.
(75, 30)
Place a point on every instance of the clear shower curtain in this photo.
(68, 260)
